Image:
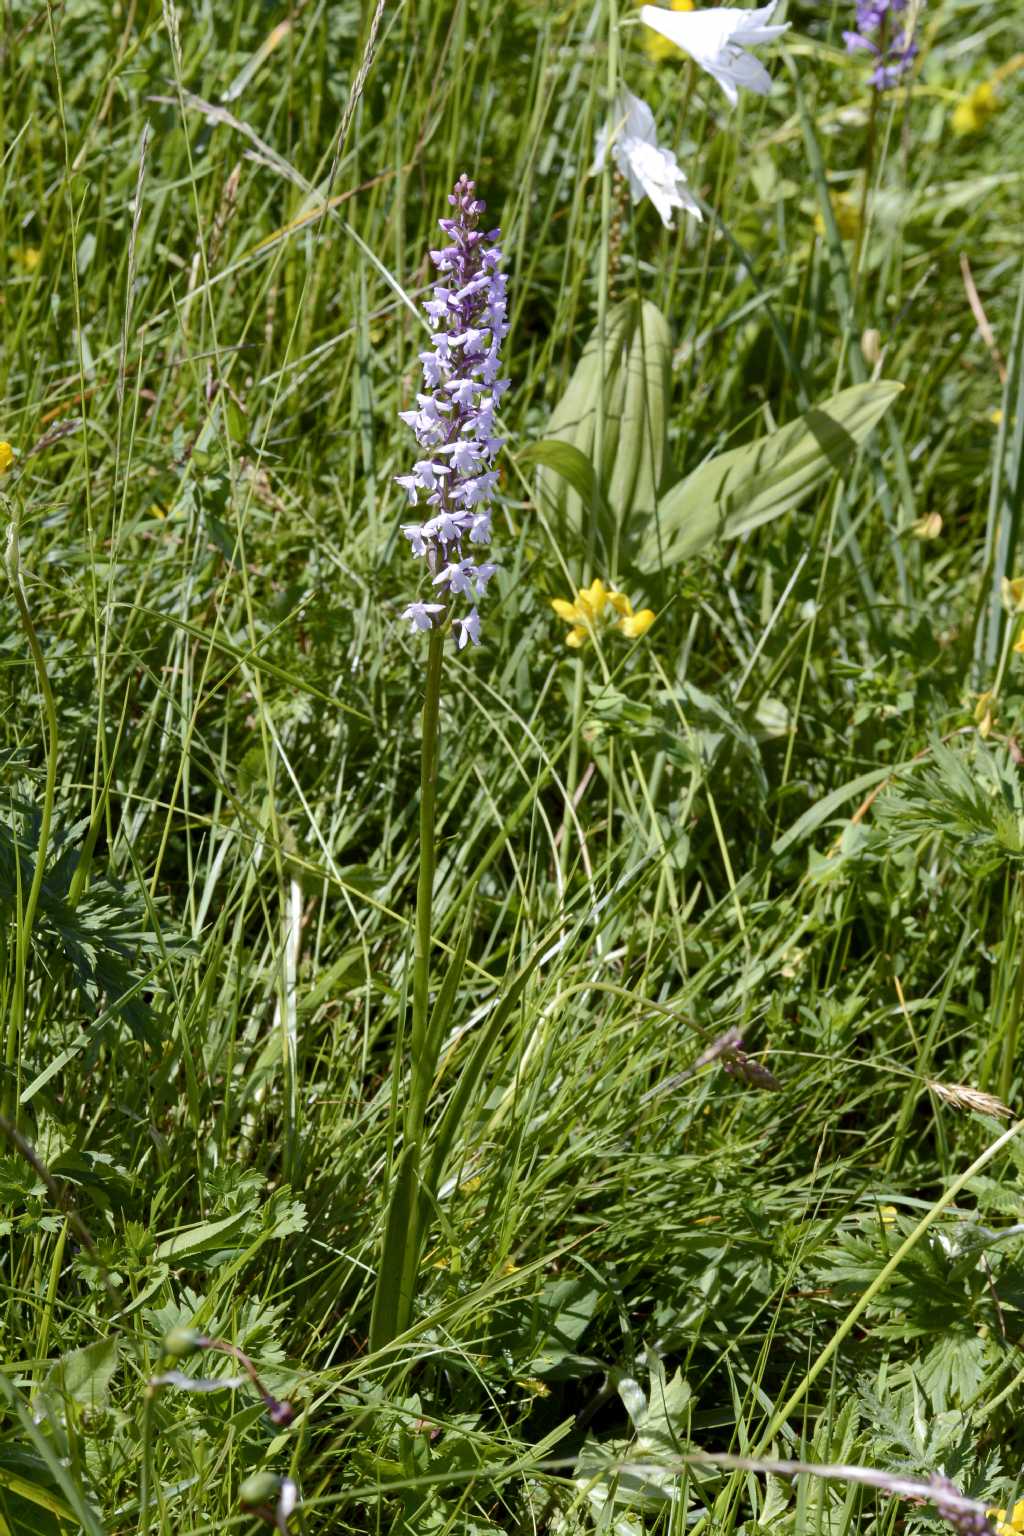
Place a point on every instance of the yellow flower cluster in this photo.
(6, 457)
(972, 113)
(659, 48)
(847, 216)
(590, 612)
(1013, 1526)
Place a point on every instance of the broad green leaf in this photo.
(571, 465)
(85, 1374)
(211, 1234)
(630, 374)
(739, 490)
(636, 472)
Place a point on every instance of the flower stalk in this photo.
(454, 483)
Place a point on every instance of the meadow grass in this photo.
(782, 812)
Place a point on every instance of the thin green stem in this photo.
(17, 1019)
(400, 1249)
(147, 1450)
(1009, 635)
(1011, 1029)
(422, 1069)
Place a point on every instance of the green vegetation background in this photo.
(201, 382)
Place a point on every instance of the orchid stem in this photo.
(395, 1292)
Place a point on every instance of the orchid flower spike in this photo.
(452, 483)
(650, 170)
(715, 39)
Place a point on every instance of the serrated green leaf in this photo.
(739, 490)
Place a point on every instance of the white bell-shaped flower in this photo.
(715, 39)
(650, 170)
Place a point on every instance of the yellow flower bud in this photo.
(928, 527)
(846, 211)
(871, 346)
(983, 716)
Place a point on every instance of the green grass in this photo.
(774, 813)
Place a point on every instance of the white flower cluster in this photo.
(715, 40)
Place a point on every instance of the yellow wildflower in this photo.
(1014, 1526)
(971, 114)
(636, 624)
(30, 257)
(659, 48)
(6, 457)
(533, 1386)
(847, 216)
(587, 614)
(974, 110)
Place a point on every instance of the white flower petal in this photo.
(714, 39)
(650, 170)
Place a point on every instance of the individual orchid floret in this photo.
(468, 628)
(715, 39)
(454, 417)
(422, 615)
(650, 170)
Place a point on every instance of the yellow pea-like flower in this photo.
(636, 624)
(972, 113)
(590, 612)
(1012, 1526)
(6, 457)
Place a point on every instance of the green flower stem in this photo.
(145, 1478)
(398, 1266)
(16, 1021)
(1010, 632)
(422, 1069)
